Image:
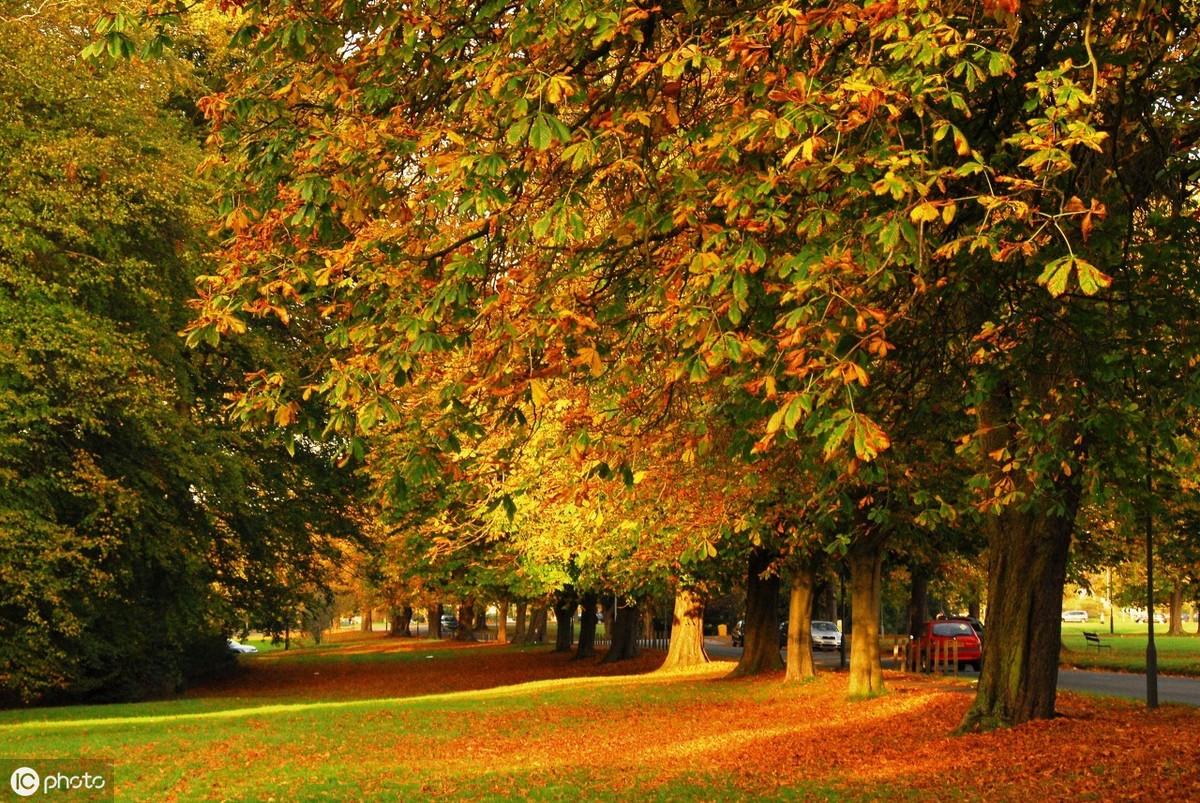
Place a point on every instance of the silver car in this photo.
(825, 635)
(241, 649)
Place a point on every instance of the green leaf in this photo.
(836, 436)
(541, 135)
(517, 131)
(1055, 275)
(792, 413)
(1091, 278)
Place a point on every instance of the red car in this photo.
(942, 633)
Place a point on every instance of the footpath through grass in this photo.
(1177, 655)
(377, 718)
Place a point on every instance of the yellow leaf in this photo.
(961, 146)
(537, 392)
(923, 212)
(285, 414)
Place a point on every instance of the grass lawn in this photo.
(1177, 655)
(381, 718)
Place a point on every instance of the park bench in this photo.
(1093, 640)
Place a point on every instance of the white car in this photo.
(238, 647)
(1140, 617)
(1074, 616)
(825, 635)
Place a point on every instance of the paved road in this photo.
(1117, 684)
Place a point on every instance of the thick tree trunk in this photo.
(687, 631)
(587, 627)
(480, 618)
(502, 622)
(466, 621)
(799, 643)
(825, 605)
(973, 609)
(395, 621)
(433, 614)
(564, 636)
(648, 621)
(624, 635)
(865, 558)
(918, 600)
(520, 629)
(760, 652)
(401, 620)
(610, 618)
(1028, 555)
(537, 626)
(565, 603)
(367, 624)
(1175, 619)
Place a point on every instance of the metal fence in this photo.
(645, 643)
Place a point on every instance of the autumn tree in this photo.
(792, 199)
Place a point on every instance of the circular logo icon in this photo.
(24, 781)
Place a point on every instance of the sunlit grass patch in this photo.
(569, 733)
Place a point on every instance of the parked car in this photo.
(825, 635)
(449, 622)
(1140, 617)
(241, 649)
(942, 633)
(975, 624)
(1074, 616)
(738, 637)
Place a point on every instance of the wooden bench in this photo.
(1093, 640)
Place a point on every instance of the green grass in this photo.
(340, 749)
(1179, 655)
(644, 737)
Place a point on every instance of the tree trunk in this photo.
(609, 621)
(564, 636)
(565, 603)
(466, 621)
(434, 615)
(587, 627)
(520, 629)
(481, 618)
(367, 624)
(918, 600)
(394, 622)
(1175, 619)
(825, 605)
(1028, 554)
(502, 622)
(760, 652)
(624, 635)
(687, 631)
(973, 609)
(799, 642)
(648, 622)
(537, 626)
(865, 558)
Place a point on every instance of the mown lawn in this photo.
(1177, 655)
(377, 718)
